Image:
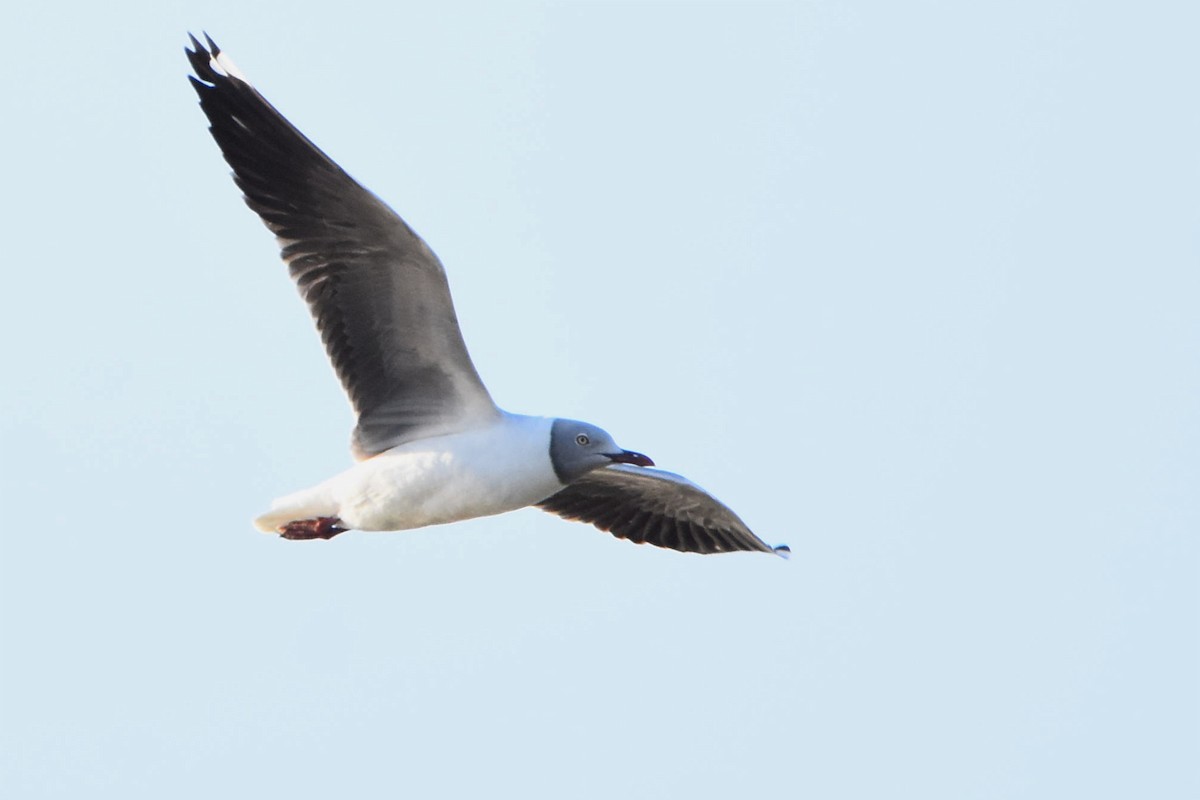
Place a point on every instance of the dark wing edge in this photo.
(378, 294)
(650, 506)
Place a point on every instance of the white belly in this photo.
(449, 478)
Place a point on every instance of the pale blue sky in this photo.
(913, 287)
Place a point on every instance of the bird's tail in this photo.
(307, 504)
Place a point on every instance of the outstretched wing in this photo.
(377, 292)
(655, 507)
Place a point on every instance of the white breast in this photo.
(477, 473)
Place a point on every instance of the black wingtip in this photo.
(782, 550)
(203, 58)
(201, 61)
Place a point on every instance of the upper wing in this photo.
(377, 292)
(655, 507)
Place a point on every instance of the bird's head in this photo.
(577, 448)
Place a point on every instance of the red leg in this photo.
(319, 528)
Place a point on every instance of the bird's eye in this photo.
(582, 440)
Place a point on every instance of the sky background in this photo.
(912, 286)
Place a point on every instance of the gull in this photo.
(430, 445)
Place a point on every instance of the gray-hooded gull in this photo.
(431, 446)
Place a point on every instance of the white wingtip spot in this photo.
(223, 64)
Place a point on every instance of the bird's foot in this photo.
(319, 528)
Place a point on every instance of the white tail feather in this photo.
(306, 504)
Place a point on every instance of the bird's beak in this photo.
(630, 457)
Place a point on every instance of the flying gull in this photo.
(430, 445)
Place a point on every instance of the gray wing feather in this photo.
(377, 292)
(651, 506)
